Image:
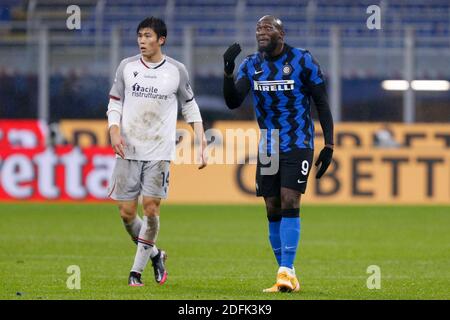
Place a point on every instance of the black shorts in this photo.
(293, 171)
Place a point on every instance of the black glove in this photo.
(229, 56)
(324, 159)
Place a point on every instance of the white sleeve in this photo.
(116, 96)
(189, 107)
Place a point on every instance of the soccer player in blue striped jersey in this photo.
(283, 80)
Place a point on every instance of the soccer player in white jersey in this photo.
(142, 115)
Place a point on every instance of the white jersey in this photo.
(143, 102)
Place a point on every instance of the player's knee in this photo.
(290, 198)
(273, 208)
(151, 207)
(127, 212)
(127, 215)
(272, 203)
(290, 201)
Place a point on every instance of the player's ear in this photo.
(162, 41)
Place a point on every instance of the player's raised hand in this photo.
(229, 56)
(324, 161)
(117, 141)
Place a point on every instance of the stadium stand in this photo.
(82, 56)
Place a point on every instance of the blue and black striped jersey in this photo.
(281, 88)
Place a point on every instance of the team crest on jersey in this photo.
(287, 69)
(135, 73)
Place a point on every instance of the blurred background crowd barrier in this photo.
(46, 66)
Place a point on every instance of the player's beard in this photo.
(269, 48)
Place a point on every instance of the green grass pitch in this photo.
(223, 252)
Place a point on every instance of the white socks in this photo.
(143, 254)
(289, 271)
(146, 248)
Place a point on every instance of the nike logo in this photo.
(299, 181)
(258, 72)
(289, 248)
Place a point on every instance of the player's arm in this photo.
(320, 97)
(191, 112)
(234, 92)
(200, 139)
(114, 113)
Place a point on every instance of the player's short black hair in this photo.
(156, 24)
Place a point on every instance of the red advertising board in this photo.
(62, 173)
(22, 133)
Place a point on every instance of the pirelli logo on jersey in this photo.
(273, 85)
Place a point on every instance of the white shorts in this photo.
(132, 178)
